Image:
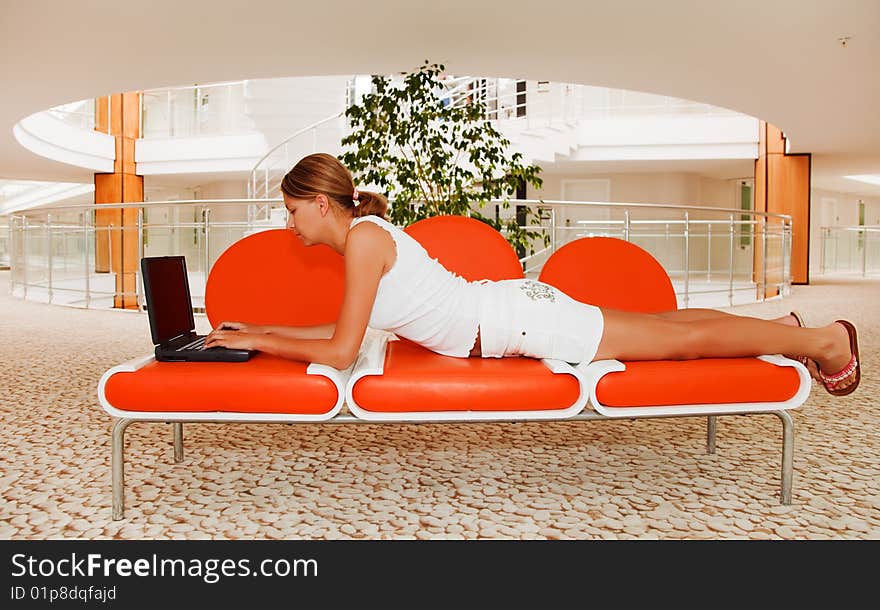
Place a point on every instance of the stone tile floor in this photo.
(621, 479)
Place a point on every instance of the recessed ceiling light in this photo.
(869, 178)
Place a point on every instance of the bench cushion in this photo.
(416, 379)
(264, 384)
(695, 382)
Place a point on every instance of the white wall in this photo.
(670, 188)
(829, 208)
(186, 240)
(663, 188)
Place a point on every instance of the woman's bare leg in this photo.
(689, 315)
(637, 336)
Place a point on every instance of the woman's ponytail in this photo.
(321, 173)
(371, 204)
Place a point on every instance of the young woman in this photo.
(392, 284)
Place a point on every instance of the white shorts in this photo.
(530, 318)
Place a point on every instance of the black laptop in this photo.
(172, 325)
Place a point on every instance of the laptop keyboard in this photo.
(198, 344)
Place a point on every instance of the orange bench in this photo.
(267, 278)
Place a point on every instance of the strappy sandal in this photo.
(810, 365)
(853, 368)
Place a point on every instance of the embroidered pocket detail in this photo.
(537, 292)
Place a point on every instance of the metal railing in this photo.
(53, 249)
(549, 104)
(265, 180)
(198, 110)
(850, 250)
(80, 115)
(4, 243)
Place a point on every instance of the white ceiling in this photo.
(779, 60)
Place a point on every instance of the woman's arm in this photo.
(366, 249)
(321, 331)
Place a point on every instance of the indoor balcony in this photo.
(715, 257)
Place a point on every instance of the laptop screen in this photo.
(166, 288)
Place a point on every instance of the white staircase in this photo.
(547, 143)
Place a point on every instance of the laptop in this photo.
(172, 325)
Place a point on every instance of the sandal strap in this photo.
(843, 374)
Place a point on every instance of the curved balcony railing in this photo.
(546, 104)
(4, 243)
(79, 114)
(265, 180)
(714, 256)
(850, 250)
(216, 109)
(533, 104)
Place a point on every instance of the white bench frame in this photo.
(371, 362)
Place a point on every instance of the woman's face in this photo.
(303, 218)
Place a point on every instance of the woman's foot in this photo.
(795, 319)
(839, 366)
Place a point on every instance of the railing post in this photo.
(709, 251)
(88, 244)
(764, 259)
(687, 262)
(626, 225)
(822, 250)
(24, 257)
(786, 260)
(197, 114)
(140, 230)
(864, 240)
(730, 269)
(207, 244)
(141, 112)
(170, 110)
(49, 251)
(552, 230)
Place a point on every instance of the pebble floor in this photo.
(555, 480)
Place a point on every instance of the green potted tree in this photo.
(431, 157)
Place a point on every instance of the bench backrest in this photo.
(270, 277)
(467, 247)
(612, 273)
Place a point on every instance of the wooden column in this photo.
(782, 186)
(116, 235)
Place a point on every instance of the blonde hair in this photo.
(323, 174)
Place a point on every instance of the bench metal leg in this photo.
(178, 442)
(710, 433)
(787, 454)
(118, 467)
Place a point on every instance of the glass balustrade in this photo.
(56, 253)
(79, 114)
(202, 110)
(850, 250)
(4, 243)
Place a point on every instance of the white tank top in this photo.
(420, 300)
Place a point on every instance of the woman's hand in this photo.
(248, 328)
(232, 339)
(234, 335)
